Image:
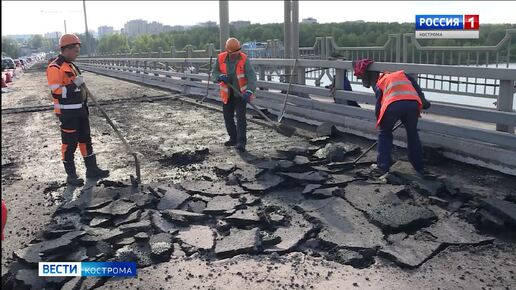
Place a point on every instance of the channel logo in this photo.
(448, 26)
(86, 269)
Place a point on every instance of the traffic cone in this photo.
(8, 78)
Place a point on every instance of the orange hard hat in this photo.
(69, 39)
(232, 45)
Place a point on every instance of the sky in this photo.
(39, 17)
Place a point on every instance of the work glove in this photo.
(223, 78)
(78, 81)
(426, 104)
(248, 96)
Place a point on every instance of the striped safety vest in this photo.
(240, 73)
(66, 95)
(395, 86)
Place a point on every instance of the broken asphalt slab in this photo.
(264, 182)
(245, 217)
(307, 177)
(383, 206)
(352, 258)
(342, 225)
(505, 210)
(401, 217)
(238, 241)
(339, 180)
(411, 252)
(293, 234)
(335, 152)
(324, 192)
(426, 186)
(161, 224)
(116, 208)
(183, 216)
(224, 169)
(93, 199)
(199, 237)
(365, 196)
(31, 254)
(211, 188)
(454, 231)
(161, 246)
(223, 204)
(172, 198)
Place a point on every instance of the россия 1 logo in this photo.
(447, 26)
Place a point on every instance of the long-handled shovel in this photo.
(280, 128)
(282, 113)
(128, 148)
(345, 166)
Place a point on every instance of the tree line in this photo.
(13, 48)
(352, 33)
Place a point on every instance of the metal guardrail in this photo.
(398, 48)
(482, 86)
(495, 149)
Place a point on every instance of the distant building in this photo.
(309, 20)
(240, 24)
(105, 30)
(53, 35)
(135, 27)
(20, 37)
(154, 28)
(207, 24)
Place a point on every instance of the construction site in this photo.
(299, 208)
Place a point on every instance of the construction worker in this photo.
(346, 82)
(234, 67)
(398, 97)
(70, 105)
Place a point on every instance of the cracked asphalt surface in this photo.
(342, 238)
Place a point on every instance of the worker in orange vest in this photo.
(234, 67)
(70, 105)
(398, 97)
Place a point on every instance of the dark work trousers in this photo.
(235, 105)
(75, 131)
(408, 113)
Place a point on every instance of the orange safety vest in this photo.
(395, 86)
(240, 73)
(60, 76)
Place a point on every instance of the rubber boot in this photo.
(230, 143)
(92, 170)
(71, 175)
(240, 147)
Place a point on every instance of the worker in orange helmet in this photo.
(70, 105)
(233, 67)
(398, 98)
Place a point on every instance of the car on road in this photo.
(8, 63)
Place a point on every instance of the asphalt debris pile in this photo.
(186, 157)
(307, 199)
